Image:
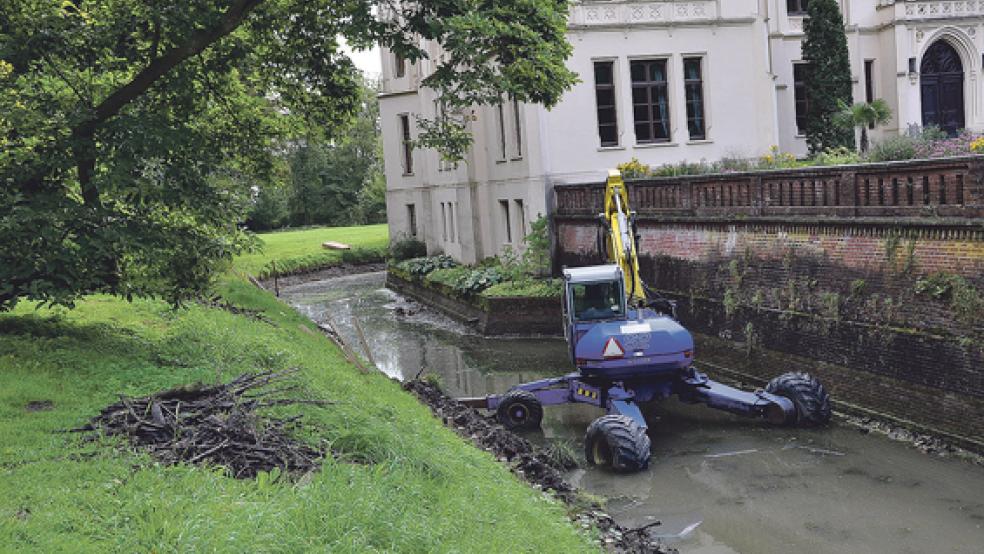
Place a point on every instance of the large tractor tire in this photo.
(519, 410)
(617, 442)
(809, 397)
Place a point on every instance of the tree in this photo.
(864, 115)
(130, 130)
(828, 77)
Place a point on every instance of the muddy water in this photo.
(718, 484)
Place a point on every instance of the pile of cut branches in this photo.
(216, 425)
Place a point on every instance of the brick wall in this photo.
(876, 269)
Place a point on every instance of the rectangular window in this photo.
(650, 101)
(452, 234)
(694, 89)
(502, 131)
(796, 7)
(869, 84)
(507, 225)
(400, 66)
(454, 219)
(604, 75)
(412, 219)
(407, 144)
(799, 96)
(444, 221)
(521, 218)
(517, 121)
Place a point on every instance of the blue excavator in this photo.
(628, 348)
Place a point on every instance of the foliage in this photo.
(634, 169)
(893, 148)
(419, 267)
(60, 494)
(863, 115)
(340, 182)
(836, 156)
(977, 146)
(269, 207)
(683, 168)
(776, 159)
(962, 296)
(828, 76)
(928, 133)
(536, 255)
(535, 288)
(477, 280)
(947, 146)
(132, 131)
(406, 248)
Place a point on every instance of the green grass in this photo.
(403, 483)
(535, 288)
(298, 251)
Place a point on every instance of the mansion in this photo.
(664, 82)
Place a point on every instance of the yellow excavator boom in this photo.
(621, 242)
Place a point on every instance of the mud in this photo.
(535, 466)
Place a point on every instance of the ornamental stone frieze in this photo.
(627, 13)
(941, 9)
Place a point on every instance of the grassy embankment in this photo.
(402, 483)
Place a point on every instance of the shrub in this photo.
(477, 280)
(977, 146)
(950, 146)
(407, 248)
(893, 149)
(777, 159)
(364, 255)
(837, 156)
(683, 168)
(634, 169)
(537, 288)
(419, 267)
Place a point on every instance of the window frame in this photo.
(399, 66)
(504, 210)
(800, 7)
(406, 143)
(501, 129)
(699, 82)
(412, 219)
(613, 86)
(517, 130)
(800, 85)
(648, 86)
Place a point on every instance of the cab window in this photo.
(598, 301)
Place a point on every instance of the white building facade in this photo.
(664, 82)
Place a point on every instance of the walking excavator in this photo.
(628, 348)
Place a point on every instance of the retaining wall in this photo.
(875, 269)
(489, 316)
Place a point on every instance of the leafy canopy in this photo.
(828, 77)
(128, 128)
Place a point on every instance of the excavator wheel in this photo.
(519, 410)
(808, 395)
(618, 443)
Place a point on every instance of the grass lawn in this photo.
(403, 482)
(301, 250)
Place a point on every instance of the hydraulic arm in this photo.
(621, 243)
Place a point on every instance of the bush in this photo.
(777, 159)
(536, 288)
(893, 149)
(837, 156)
(634, 169)
(269, 209)
(477, 280)
(683, 168)
(407, 248)
(358, 256)
(419, 267)
(959, 145)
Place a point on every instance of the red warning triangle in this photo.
(613, 349)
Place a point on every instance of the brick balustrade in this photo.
(942, 188)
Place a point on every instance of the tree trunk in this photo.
(864, 139)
